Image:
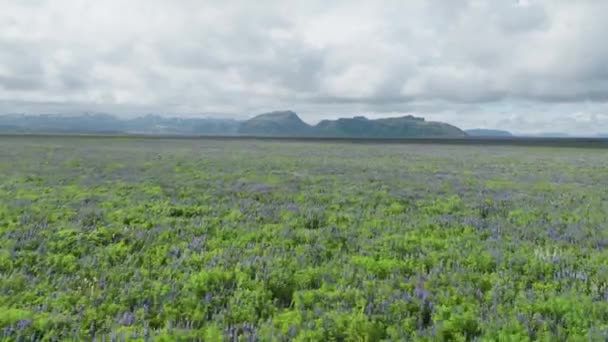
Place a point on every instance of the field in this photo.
(158, 239)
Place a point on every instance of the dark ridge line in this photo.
(478, 141)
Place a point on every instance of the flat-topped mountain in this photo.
(399, 127)
(288, 123)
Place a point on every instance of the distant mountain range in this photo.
(108, 124)
(550, 135)
(280, 123)
(483, 132)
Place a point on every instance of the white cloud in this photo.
(473, 63)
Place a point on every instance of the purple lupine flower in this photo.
(127, 319)
(23, 324)
(175, 252)
(247, 328)
(292, 207)
(421, 293)
(601, 244)
(369, 308)
(232, 332)
(102, 283)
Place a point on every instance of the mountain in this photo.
(549, 135)
(153, 124)
(280, 123)
(48, 123)
(483, 132)
(400, 127)
(287, 123)
(355, 126)
(12, 129)
(107, 124)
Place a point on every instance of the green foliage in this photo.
(181, 240)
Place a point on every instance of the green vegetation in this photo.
(164, 240)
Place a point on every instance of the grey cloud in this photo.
(372, 100)
(523, 18)
(470, 62)
(20, 69)
(19, 57)
(19, 82)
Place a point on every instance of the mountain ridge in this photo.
(488, 132)
(395, 127)
(275, 123)
(285, 123)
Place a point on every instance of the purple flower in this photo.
(23, 324)
(232, 333)
(102, 283)
(127, 319)
(175, 252)
(292, 207)
(8, 331)
(369, 308)
(208, 297)
(197, 243)
(421, 293)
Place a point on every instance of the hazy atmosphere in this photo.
(524, 66)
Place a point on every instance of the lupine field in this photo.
(129, 239)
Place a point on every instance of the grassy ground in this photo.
(158, 239)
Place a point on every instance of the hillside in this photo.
(483, 132)
(280, 123)
(288, 123)
(400, 127)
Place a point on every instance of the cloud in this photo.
(473, 63)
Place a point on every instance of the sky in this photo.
(525, 66)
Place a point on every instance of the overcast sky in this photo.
(526, 66)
